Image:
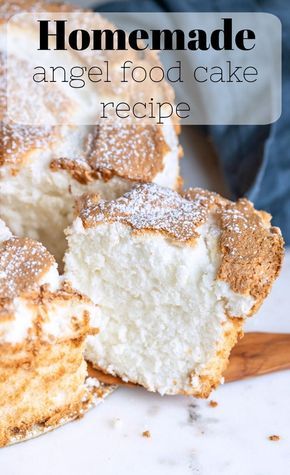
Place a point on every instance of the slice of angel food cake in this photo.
(43, 326)
(45, 166)
(175, 278)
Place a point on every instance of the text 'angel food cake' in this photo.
(43, 325)
(43, 168)
(174, 278)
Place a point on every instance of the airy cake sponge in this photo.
(174, 278)
(43, 325)
(44, 168)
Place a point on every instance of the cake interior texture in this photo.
(167, 322)
(162, 311)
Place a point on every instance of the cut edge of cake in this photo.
(44, 322)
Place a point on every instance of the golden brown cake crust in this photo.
(93, 396)
(30, 390)
(251, 249)
(18, 141)
(135, 152)
(23, 262)
(132, 152)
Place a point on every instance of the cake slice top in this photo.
(132, 152)
(148, 208)
(250, 249)
(36, 303)
(23, 264)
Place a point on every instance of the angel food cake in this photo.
(43, 325)
(44, 168)
(174, 278)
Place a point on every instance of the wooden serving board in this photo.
(255, 354)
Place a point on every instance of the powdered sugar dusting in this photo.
(22, 264)
(133, 151)
(236, 225)
(17, 140)
(233, 217)
(251, 249)
(149, 207)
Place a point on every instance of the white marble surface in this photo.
(187, 435)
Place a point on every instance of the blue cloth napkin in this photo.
(255, 160)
